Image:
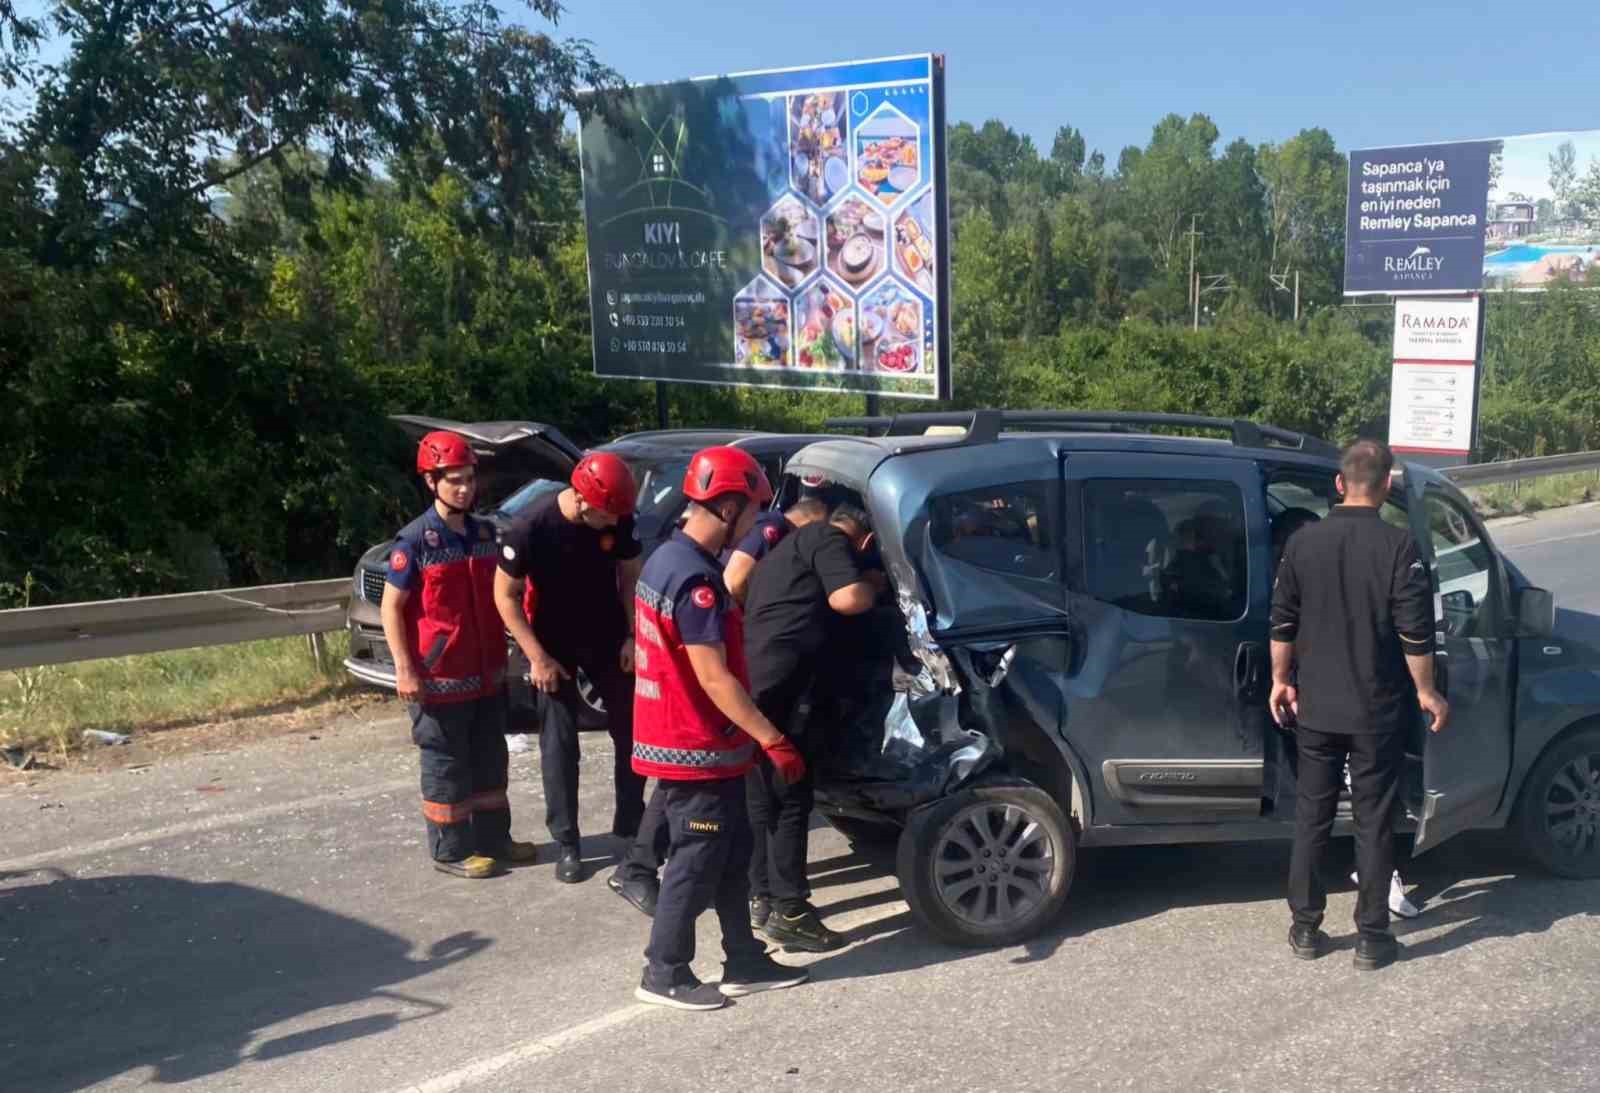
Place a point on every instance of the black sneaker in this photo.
(802, 933)
(641, 893)
(754, 974)
(760, 911)
(1373, 953)
(1307, 942)
(691, 995)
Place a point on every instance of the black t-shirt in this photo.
(786, 611)
(574, 568)
(1354, 598)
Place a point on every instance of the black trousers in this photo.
(650, 846)
(559, 752)
(707, 867)
(780, 815)
(1376, 761)
(463, 760)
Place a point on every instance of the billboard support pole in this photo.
(661, 405)
(872, 404)
(1477, 386)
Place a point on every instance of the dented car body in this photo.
(1077, 655)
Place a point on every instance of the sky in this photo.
(1371, 74)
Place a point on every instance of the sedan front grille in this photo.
(372, 583)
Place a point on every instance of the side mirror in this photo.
(1536, 613)
(1459, 601)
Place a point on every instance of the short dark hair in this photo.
(1366, 465)
(850, 514)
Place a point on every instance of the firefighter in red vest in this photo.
(449, 651)
(696, 730)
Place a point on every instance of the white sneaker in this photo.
(1398, 903)
(518, 742)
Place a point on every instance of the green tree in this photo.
(1303, 181)
(1563, 176)
(158, 103)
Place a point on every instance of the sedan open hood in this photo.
(510, 453)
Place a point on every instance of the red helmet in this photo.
(714, 472)
(443, 449)
(604, 481)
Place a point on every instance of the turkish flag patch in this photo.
(704, 597)
(398, 560)
(770, 534)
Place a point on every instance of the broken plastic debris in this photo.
(936, 673)
(517, 743)
(16, 757)
(101, 736)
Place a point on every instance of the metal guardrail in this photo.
(31, 637)
(1512, 470)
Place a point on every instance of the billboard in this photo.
(774, 229)
(1513, 213)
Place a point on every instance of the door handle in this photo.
(1247, 670)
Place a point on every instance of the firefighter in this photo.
(635, 878)
(449, 654)
(578, 548)
(697, 731)
(770, 529)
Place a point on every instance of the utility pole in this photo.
(1193, 235)
(1281, 283)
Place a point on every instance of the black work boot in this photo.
(637, 891)
(1307, 942)
(569, 870)
(801, 932)
(1373, 953)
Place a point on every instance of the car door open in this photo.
(1464, 767)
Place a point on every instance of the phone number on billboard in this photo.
(636, 345)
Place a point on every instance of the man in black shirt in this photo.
(811, 574)
(1352, 635)
(578, 549)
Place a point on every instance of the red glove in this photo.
(786, 760)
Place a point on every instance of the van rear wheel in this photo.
(990, 865)
(1558, 817)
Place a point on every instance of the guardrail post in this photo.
(318, 658)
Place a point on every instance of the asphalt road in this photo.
(263, 918)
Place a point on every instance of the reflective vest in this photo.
(678, 731)
(452, 625)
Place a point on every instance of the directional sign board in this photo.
(1433, 397)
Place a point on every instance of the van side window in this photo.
(1173, 548)
(1004, 528)
(1462, 562)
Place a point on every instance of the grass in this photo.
(1537, 494)
(47, 709)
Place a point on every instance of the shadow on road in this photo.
(1508, 897)
(1116, 886)
(105, 975)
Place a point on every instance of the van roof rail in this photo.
(984, 426)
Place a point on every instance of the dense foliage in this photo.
(235, 235)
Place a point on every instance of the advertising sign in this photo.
(1513, 212)
(774, 229)
(1433, 398)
